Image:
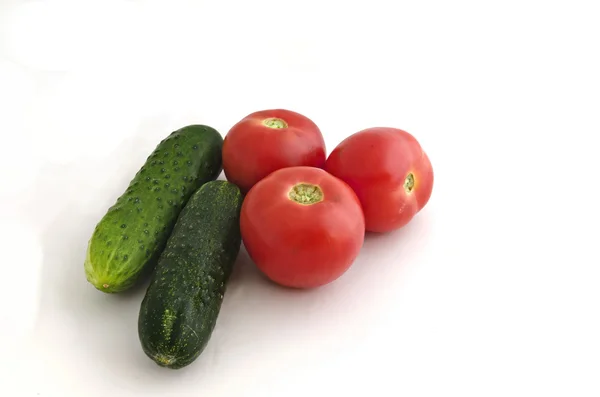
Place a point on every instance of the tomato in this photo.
(268, 140)
(390, 173)
(302, 226)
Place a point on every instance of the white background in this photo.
(492, 290)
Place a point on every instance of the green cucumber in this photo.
(129, 238)
(182, 302)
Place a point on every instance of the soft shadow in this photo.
(384, 258)
(257, 312)
(66, 236)
(97, 330)
(402, 237)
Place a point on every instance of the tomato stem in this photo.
(306, 194)
(274, 122)
(409, 182)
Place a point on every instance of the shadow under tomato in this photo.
(257, 312)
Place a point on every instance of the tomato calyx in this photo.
(409, 183)
(306, 194)
(275, 123)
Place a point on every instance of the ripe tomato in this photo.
(268, 140)
(302, 226)
(390, 173)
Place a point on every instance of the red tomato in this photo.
(302, 226)
(389, 172)
(268, 140)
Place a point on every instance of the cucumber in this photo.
(182, 302)
(129, 238)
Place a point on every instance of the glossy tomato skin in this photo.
(375, 162)
(252, 149)
(298, 245)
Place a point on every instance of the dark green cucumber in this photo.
(132, 234)
(183, 300)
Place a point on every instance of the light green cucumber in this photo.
(129, 238)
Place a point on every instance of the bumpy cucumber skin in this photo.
(129, 238)
(182, 303)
